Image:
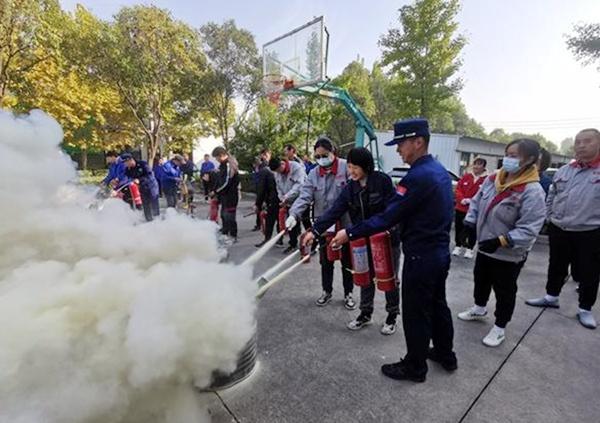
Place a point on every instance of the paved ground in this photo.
(312, 369)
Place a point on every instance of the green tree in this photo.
(452, 118)
(423, 56)
(566, 146)
(28, 36)
(314, 56)
(500, 135)
(585, 43)
(235, 73)
(384, 113)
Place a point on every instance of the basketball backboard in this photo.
(296, 59)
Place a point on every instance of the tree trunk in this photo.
(84, 159)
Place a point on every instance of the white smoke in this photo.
(104, 319)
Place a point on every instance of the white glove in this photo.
(290, 222)
(465, 201)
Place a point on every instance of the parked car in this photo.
(398, 173)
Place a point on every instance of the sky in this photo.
(517, 70)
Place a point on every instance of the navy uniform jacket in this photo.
(423, 206)
(148, 183)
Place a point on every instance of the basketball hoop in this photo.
(274, 84)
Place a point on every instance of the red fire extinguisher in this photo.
(360, 262)
(213, 212)
(262, 216)
(281, 217)
(136, 197)
(383, 261)
(304, 249)
(332, 254)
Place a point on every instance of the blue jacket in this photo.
(148, 183)
(360, 203)
(170, 175)
(545, 181)
(116, 171)
(423, 206)
(207, 167)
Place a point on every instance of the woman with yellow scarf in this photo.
(507, 212)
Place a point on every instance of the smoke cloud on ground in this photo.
(104, 319)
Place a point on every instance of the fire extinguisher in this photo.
(136, 197)
(213, 212)
(383, 261)
(360, 262)
(332, 254)
(281, 217)
(304, 249)
(262, 216)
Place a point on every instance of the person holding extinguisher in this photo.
(423, 206)
(323, 185)
(366, 194)
(466, 189)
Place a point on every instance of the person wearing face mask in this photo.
(508, 213)
(573, 209)
(367, 193)
(466, 188)
(322, 186)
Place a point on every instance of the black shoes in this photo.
(288, 250)
(400, 371)
(448, 363)
(260, 244)
(256, 229)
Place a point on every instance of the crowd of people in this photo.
(498, 217)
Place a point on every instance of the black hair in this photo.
(274, 163)
(219, 151)
(480, 160)
(325, 143)
(360, 156)
(545, 159)
(289, 147)
(111, 154)
(426, 138)
(265, 151)
(528, 148)
(594, 130)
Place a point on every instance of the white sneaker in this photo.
(457, 251)
(388, 329)
(494, 338)
(472, 314)
(468, 253)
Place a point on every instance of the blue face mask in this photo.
(324, 161)
(511, 164)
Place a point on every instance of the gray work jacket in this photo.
(322, 190)
(573, 202)
(289, 184)
(517, 213)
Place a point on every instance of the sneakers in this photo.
(324, 299)
(468, 253)
(400, 371)
(279, 243)
(449, 364)
(458, 251)
(586, 318)
(494, 338)
(361, 321)
(389, 327)
(289, 250)
(472, 314)
(349, 302)
(543, 302)
(260, 244)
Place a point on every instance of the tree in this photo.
(500, 135)
(314, 56)
(585, 43)
(384, 113)
(235, 73)
(423, 56)
(28, 36)
(566, 146)
(146, 56)
(452, 118)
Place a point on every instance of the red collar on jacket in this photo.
(331, 169)
(286, 167)
(591, 165)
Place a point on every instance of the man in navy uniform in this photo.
(423, 207)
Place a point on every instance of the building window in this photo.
(465, 159)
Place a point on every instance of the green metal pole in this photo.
(359, 137)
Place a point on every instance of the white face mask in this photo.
(511, 164)
(324, 161)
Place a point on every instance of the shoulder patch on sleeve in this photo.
(400, 189)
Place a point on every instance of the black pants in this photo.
(170, 196)
(501, 276)
(306, 219)
(206, 186)
(392, 298)
(463, 238)
(425, 313)
(580, 250)
(150, 205)
(229, 224)
(293, 234)
(271, 219)
(327, 268)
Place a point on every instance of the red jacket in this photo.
(466, 188)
